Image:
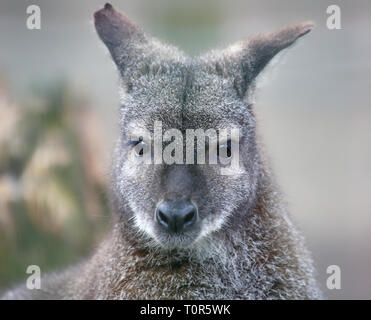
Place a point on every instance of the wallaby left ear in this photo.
(262, 48)
(252, 55)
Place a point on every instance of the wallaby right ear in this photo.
(118, 33)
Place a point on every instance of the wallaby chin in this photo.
(192, 221)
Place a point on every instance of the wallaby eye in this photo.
(140, 147)
(225, 151)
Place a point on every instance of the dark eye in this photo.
(225, 150)
(140, 147)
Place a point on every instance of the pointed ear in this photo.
(262, 48)
(118, 33)
(245, 61)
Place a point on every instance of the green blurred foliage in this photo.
(53, 200)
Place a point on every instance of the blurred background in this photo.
(58, 107)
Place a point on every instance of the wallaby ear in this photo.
(117, 32)
(247, 59)
(262, 48)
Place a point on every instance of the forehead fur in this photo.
(191, 94)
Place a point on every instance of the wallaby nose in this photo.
(176, 215)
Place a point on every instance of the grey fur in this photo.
(244, 246)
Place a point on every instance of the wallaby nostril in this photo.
(190, 217)
(162, 219)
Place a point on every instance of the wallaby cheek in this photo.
(223, 194)
(144, 223)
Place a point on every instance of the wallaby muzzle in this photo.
(176, 215)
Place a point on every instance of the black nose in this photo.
(176, 215)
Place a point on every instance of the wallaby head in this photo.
(175, 205)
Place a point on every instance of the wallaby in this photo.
(186, 231)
